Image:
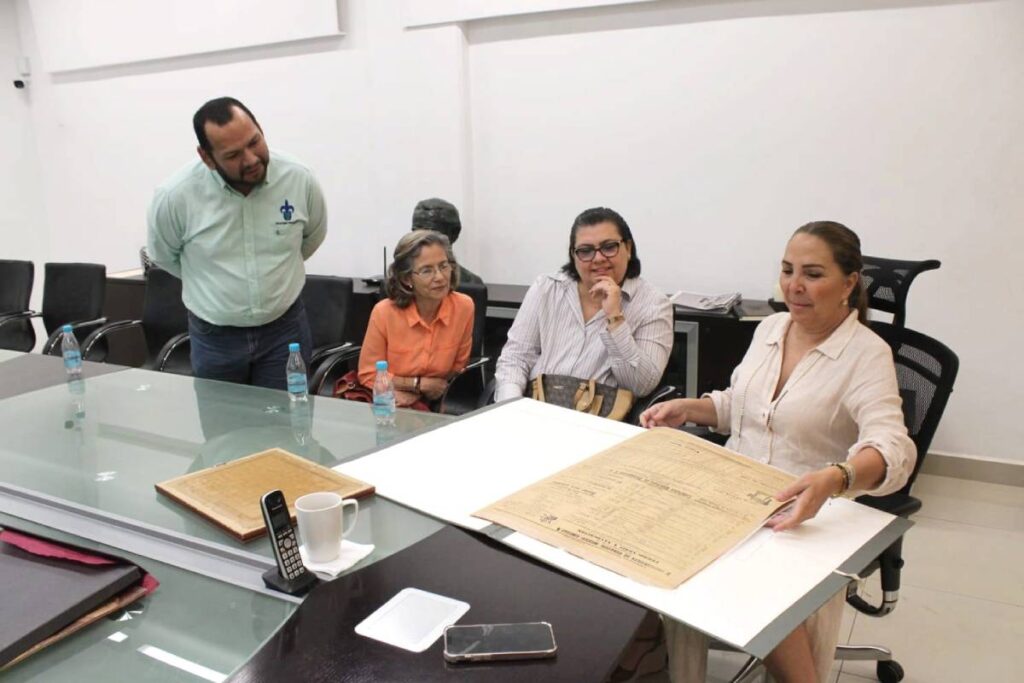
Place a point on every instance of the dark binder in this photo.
(41, 595)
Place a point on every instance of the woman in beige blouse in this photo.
(815, 395)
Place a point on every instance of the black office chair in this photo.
(463, 392)
(328, 302)
(925, 370)
(73, 294)
(887, 283)
(164, 326)
(16, 278)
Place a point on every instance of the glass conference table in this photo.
(84, 459)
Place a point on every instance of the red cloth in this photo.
(44, 548)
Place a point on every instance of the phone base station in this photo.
(273, 579)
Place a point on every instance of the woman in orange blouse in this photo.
(424, 329)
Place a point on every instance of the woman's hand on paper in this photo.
(809, 493)
(667, 414)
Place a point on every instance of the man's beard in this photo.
(240, 183)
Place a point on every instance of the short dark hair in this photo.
(597, 216)
(219, 112)
(845, 247)
(406, 251)
(438, 215)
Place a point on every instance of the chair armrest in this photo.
(20, 315)
(325, 369)
(453, 379)
(53, 341)
(659, 395)
(21, 335)
(473, 364)
(168, 350)
(325, 351)
(104, 331)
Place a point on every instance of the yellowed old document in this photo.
(657, 507)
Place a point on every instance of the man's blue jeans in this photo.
(249, 355)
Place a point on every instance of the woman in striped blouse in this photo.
(595, 319)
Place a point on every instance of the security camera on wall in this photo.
(21, 66)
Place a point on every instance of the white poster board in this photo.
(460, 468)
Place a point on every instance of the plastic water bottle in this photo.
(72, 354)
(296, 373)
(383, 396)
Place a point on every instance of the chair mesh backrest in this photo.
(925, 371)
(72, 292)
(328, 300)
(478, 293)
(15, 285)
(887, 283)
(163, 314)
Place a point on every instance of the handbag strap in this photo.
(585, 395)
(622, 405)
(538, 389)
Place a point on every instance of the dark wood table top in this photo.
(318, 642)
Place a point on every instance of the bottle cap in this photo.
(293, 347)
(66, 329)
(382, 365)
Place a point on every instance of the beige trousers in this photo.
(688, 648)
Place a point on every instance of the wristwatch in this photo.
(618, 317)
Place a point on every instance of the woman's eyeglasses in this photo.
(588, 252)
(427, 272)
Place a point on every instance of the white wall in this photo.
(716, 128)
(23, 219)
(372, 113)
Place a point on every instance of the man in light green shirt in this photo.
(236, 226)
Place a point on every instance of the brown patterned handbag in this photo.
(584, 395)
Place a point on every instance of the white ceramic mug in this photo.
(321, 517)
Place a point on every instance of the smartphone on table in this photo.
(490, 642)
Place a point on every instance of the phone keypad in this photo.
(290, 558)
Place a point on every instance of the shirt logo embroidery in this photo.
(287, 210)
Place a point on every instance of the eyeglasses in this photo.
(588, 252)
(427, 272)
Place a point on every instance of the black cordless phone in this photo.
(282, 536)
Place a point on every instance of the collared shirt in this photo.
(413, 347)
(240, 258)
(549, 335)
(840, 398)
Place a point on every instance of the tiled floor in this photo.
(960, 616)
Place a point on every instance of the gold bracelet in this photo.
(618, 317)
(844, 469)
(851, 474)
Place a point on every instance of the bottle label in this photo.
(73, 359)
(383, 404)
(296, 383)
